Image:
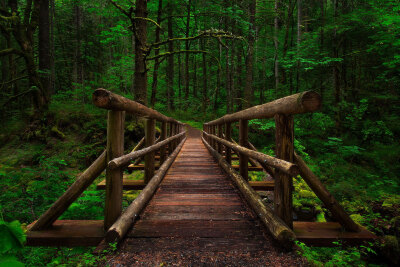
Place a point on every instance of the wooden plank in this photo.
(324, 233)
(139, 167)
(262, 185)
(127, 184)
(67, 233)
(188, 228)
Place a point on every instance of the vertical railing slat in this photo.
(115, 148)
(149, 158)
(243, 159)
(284, 138)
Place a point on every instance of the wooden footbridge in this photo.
(193, 200)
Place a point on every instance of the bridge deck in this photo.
(197, 216)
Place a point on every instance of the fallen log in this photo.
(278, 229)
(118, 230)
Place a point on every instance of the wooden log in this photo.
(139, 145)
(149, 157)
(278, 229)
(262, 185)
(125, 159)
(170, 134)
(115, 148)
(283, 165)
(140, 159)
(219, 130)
(268, 169)
(243, 158)
(103, 98)
(308, 101)
(163, 136)
(228, 152)
(122, 225)
(66, 233)
(323, 194)
(127, 184)
(284, 137)
(73, 192)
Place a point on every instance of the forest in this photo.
(195, 61)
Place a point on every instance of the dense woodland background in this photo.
(197, 60)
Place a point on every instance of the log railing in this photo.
(114, 161)
(283, 167)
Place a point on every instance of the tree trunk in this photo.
(170, 63)
(156, 61)
(248, 91)
(336, 79)
(44, 47)
(299, 34)
(204, 106)
(140, 79)
(77, 74)
(276, 58)
(187, 54)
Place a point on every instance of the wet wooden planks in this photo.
(196, 203)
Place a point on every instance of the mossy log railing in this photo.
(113, 161)
(286, 164)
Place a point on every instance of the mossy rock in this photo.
(357, 218)
(306, 194)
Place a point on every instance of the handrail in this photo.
(117, 106)
(282, 110)
(125, 159)
(308, 101)
(103, 98)
(282, 165)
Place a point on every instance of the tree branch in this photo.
(9, 51)
(147, 19)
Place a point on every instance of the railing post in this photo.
(170, 133)
(243, 159)
(163, 136)
(115, 148)
(213, 143)
(284, 136)
(149, 158)
(228, 152)
(220, 136)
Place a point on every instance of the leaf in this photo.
(10, 261)
(12, 235)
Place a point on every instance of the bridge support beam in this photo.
(284, 137)
(115, 148)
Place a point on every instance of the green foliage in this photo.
(335, 256)
(12, 239)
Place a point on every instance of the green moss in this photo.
(357, 218)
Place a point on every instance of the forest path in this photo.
(197, 217)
